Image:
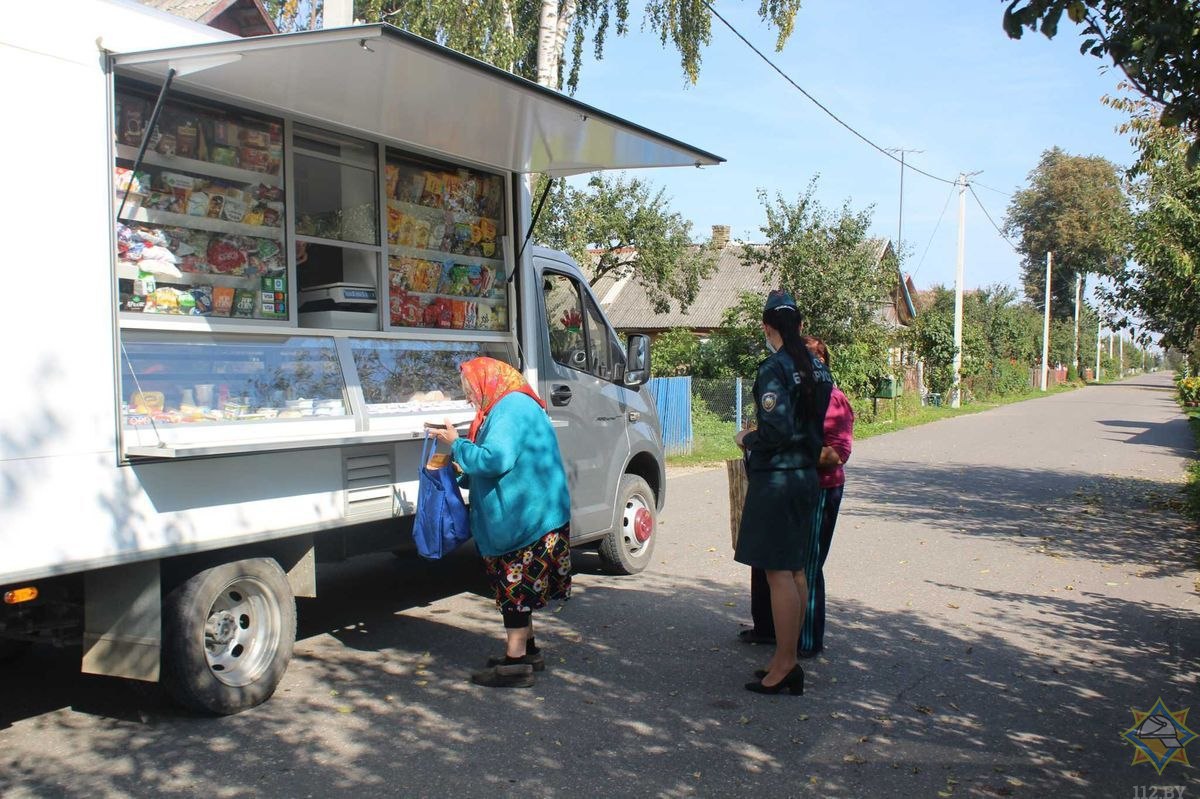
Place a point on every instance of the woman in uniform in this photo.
(783, 510)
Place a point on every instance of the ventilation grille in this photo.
(369, 480)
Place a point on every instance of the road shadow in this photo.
(1117, 520)
(643, 697)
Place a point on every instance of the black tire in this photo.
(628, 547)
(228, 634)
(11, 650)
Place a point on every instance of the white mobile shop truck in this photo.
(267, 258)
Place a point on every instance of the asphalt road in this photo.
(1003, 589)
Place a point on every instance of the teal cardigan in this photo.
(515, 474)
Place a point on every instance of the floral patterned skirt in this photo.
(528, 578)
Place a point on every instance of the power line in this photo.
(989, 188)
(989, 218)
(935, 230)
(817, 102)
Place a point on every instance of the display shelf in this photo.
(442, 256)
(488, 300)
(168, 219)
(429, 212)
(194, 165)
(128, 270)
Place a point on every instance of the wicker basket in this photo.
(735, 470)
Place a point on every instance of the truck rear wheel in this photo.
(228, 634)
(627, 547)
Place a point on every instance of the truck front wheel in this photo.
(627, 547)
(228, 634)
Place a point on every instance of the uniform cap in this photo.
(779, 299)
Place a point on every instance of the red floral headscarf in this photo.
(486, 381)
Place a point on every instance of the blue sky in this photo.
(935, 75)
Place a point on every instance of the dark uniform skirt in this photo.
(780, 519)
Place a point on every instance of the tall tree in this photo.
(623, 227)
(1074, 207)
(837, 276)
(530, 37)
(1152, 41)
(1160, 289)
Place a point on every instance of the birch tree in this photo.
(543, 40)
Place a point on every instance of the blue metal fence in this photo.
(673, 398)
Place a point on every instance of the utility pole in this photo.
(1099, 326)
(900, 222)
(956, 390)
(1046, 325)
(1075, 347)
(1120, 355)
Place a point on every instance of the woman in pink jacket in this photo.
(839, 438)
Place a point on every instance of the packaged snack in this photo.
(224, 132)
(244, 301)
(427, 276)
(391, 176)
(471, 321)
(234, 210)
(462, 237)
(222, 300)
(445, 314)
(138, 182)
(437, 237)
(499, 317)
(395, 218)
(272, 214)
(455, 279)
(197, 203)
(481, 278)
(458, 314)
(267, 193)
(187, 303)
(452, 191)
(202, 300)
(226, 257)
(275, 132)
(255, 159)
(253, 137)
(254, 216)
(166, 144)
(225, 156)
(274, 158)
(431, 194)
(410, 311)
(193, 264)
(421, 230)
(186, 138)
(144, 285)
(174, 180)
(407, 231)
(216, 205)
(135, 303)
(132, 120)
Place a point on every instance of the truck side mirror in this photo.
(637, 360)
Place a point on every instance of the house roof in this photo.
(243, 17)
(628, 308)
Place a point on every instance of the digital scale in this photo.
(348, 306)
(339, 297)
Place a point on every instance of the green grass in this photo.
(712, 439)
(1192, 488)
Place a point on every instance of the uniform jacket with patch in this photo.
(789, 434)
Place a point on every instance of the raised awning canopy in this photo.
(390, 84)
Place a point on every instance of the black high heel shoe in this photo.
(793, 683)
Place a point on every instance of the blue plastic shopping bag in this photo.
(441, 524)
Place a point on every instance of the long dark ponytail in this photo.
(786, 320)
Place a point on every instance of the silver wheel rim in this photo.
(633, 547)
(241, 634)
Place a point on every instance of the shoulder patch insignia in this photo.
(769, 401)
